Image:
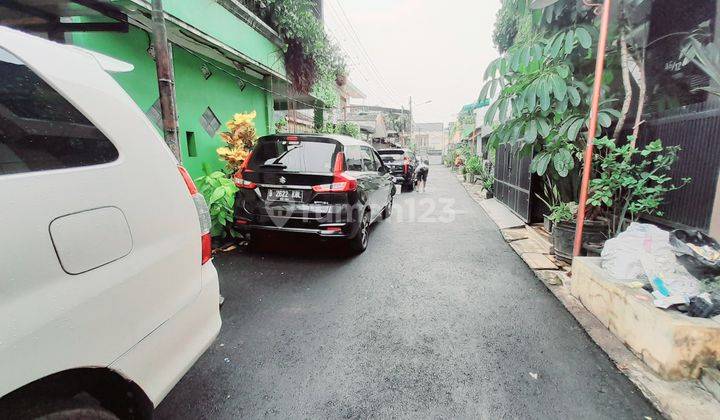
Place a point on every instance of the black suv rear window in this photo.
(391, 155)
(305, 155)
(39, 129)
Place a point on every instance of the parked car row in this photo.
(109, 293)
(330, 186)
(402, 164)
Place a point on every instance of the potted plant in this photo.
(489, 185)
(631, 181)
(563, 217)
(473, 168)
(551, 199)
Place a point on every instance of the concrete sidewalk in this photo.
(675, 399)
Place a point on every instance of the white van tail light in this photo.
(203, 214)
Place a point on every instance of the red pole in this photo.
(597, 85)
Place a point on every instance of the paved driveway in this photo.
(438, 318)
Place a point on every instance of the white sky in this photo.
(427, 49)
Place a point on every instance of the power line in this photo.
(346, 26)
(363, 50)
(353, 61)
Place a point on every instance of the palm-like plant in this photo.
(705, 56)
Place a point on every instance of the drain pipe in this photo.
(595, 105)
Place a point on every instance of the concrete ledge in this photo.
(675, 346)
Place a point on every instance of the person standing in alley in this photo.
(421, 174)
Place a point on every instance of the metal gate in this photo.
(695, 128)
(513, 180)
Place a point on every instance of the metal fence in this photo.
(696, 129)
(513, 180)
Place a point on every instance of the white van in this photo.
(108, 294)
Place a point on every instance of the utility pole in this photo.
(166, 79)
(411, 122)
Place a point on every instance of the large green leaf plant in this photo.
(542, 102)
(219, 192)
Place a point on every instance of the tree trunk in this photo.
(641, 99)
(624, 56)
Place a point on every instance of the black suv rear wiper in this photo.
(282, 155)
(274, 165)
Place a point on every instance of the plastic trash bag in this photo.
(704, 306)
(639, 249)
(699, 253)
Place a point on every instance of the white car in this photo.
(108, 294)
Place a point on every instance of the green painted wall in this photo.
(214, 20)
(194, 94)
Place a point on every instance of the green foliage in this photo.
(349, 129)
(563, 212)
(474, 166)
(281, 124)
(219, 192)
(449, 157)
(312, 61)
(705, 56)
(562, 14)
(345, 128)
(397, 122)
(318, 118)
(632, 181)
(535, 81)
(506, 25)
(559, 211)
(489, 183)
(543, 92)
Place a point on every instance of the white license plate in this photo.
(284, 195)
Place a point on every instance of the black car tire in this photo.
(69, 409)
(359, 243)
(409, 187)
(387, 211)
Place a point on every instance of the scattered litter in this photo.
(646, 252)
(623, 255)
(227, 360)
(534, 375)
(704, 306)
(228, 247)
(702, 249)
(644, 298)
(664, 302)
(554, 280)
(222, 344)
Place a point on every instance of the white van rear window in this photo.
(39, 129)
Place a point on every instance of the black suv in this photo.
(402, 164)
(325, 185)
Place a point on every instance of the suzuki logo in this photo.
(282, 180)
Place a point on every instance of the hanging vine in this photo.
(313, 63)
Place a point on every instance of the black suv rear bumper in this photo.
(340, 222)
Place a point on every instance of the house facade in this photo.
(226, 60)
(428, 136)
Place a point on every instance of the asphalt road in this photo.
(438, 318)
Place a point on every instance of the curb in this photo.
(674, 399)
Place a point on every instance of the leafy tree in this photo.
(542, 89)
(632, 181)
